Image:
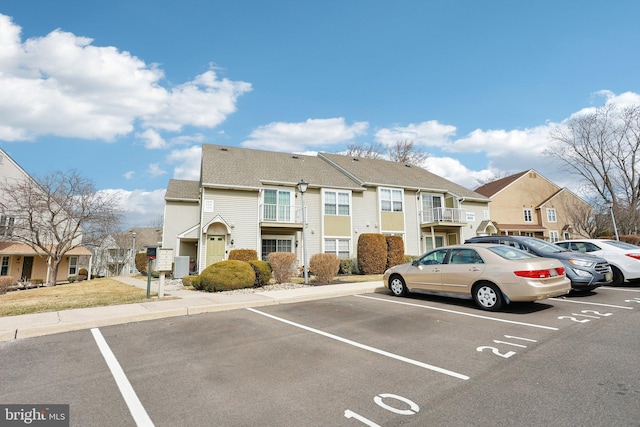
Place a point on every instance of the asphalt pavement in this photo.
(175, 303)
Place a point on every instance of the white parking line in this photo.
(592, 303)
(131, 399)
(460, 312)
(365, 347)
(618, 289)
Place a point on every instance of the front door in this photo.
(27, 267)
(215, 249)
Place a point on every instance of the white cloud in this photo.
(453, 170)
(152, 139)
(312, 133)
(60, 84)
(139, 207)
(430, 133)
(155, 170)
(129, 175)
(188, 161)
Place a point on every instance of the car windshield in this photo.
(508, 252)
(542, 246)
(622, 245)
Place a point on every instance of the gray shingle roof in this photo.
(233, 167)
(179, 189)
(372, 172)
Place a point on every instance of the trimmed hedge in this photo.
(243, 254)
(225, 276)
(395, 251)
(263, 272)
(372, 253)
(346, 265)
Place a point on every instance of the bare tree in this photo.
(371, 151)
(58, 213)
(603, 148)
(407, 153)
(402, 152)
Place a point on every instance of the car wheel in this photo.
(618, 277)
(488, 296)
(397, 286)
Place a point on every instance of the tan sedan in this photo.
(491, 274)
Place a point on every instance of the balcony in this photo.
(443, 215)
(280, 215)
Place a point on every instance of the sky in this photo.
(126, 92)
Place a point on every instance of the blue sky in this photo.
(127, 91)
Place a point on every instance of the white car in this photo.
(624, 258)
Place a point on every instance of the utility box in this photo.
(180, 267)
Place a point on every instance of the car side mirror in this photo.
(414, 262)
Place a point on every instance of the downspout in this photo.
(419, 220)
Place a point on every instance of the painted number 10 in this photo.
(412, 408)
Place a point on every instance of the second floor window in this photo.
(551, 215)
(390, 200)
(336, 203)
(528, 216)
(6, 226)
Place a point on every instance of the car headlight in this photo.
(582, 263)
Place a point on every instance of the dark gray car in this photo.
(586, 272)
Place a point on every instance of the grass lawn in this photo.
(92, 293)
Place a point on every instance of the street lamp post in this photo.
(613, 218)
(133, 253)
(302, 187)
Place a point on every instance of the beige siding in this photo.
(239, 209)
(478, 209)
(184, 215)
(527, 192)
(337, 226)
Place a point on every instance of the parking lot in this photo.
(370, 360)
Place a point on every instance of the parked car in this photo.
(624, 258)
(586, 272)
(493, 275)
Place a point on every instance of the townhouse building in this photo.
(528, 204)
(251, 199)
(18, 259)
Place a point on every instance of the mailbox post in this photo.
(151, 255)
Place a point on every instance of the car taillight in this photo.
(560, 271)
(534, 274)
(634, 256)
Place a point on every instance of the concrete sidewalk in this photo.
(184, 303)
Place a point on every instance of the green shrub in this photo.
(324, 266)
(142, 262)
(283, 265)
(372, 253)
(6, 282)
(188, 280)
(395, 251)
(71, 279)
(243, 255)
(346, 266)
(263, 272)
(226, 275)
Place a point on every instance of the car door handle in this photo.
(474, 269)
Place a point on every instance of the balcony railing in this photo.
(443, 215)
(280, 213)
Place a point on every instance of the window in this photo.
(435, 257)
(6, 225)
(208, 205)
(277, 205)
(553, 236)
(336, 203)
(528, 216)
(551, 215)
(73, 265)
(465, 256)
(275, 245)
(390, 200)
(338, 247)
(4, 267)
(566, 235)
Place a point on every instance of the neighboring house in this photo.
(18, 259)
(249, 199)
(528, 204)
(116, 256)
